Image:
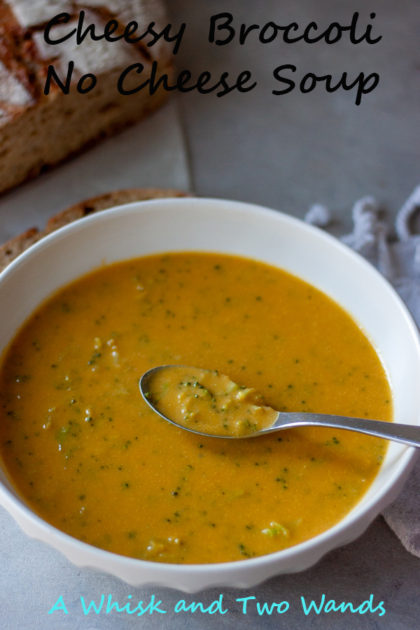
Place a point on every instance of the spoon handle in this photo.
(404, 433)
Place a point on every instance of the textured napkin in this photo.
(398, 259)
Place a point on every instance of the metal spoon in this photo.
(404, 433)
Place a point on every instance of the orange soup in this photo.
(89, 456)
(206, 401)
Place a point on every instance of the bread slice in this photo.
(11, 250)
(108, 200)
(15, 246)
(38, 130)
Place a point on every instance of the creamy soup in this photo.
(88, 455)
(208, 402)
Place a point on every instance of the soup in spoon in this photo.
(207, 401)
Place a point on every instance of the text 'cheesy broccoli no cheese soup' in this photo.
(89, 456)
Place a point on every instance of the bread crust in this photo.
(15, 246)
(38, 131)
(105, 201)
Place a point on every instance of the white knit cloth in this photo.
(399, 261)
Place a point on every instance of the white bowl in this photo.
(236, 228)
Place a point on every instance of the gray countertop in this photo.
(34, 577)
(290, 151)
(286, 152)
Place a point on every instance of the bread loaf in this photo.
(38, 130)
(10, 250)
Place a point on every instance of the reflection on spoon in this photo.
(207, 402)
